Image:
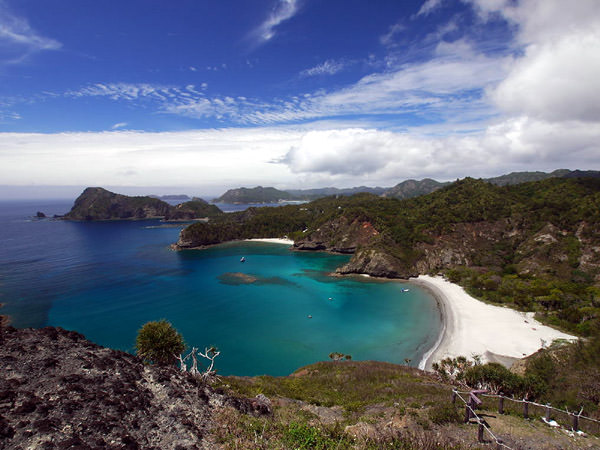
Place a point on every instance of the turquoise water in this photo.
(107, 279)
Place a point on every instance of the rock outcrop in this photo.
(58, 390)
(340, 235)
(96, 203)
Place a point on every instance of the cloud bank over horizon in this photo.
(491, 87)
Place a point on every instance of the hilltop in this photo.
(96, 203)
(258, 194)
(58, 390)
(403, 190)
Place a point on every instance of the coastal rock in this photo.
(40, 215)
(376, 263)
(58, 390)
(340, 235)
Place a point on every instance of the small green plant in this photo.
(441, 414)
(159, 343)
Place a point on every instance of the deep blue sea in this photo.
(106, 279)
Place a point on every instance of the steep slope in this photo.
(58, 390)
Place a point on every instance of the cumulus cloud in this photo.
(556, 77)
(19, 39)
(558, 80)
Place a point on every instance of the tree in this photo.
(159, 343)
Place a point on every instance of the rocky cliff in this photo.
(341, 235)
(58, 390)
(96, 203)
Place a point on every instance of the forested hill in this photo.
(257, 194)
(96, 203)
(535, 245)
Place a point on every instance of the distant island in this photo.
(406, 189)
(258, 194)
(179, 197)
(96, 203)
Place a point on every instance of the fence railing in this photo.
(483, 428)
(573, 420)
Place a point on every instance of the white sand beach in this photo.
(273, 241)
(471, 327)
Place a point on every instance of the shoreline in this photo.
(471, 327)
(272, 241)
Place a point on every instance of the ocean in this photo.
(273, 313)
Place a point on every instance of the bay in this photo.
(272, 314)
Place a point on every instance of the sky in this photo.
(199, 96)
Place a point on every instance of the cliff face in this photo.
(340, 235)
(491, 245)
(96, 203)
(58, 390)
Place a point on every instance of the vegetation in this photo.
(330, 405)
(258, 194)
(527, 252)
(159, 343)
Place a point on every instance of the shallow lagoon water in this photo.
(106, 279)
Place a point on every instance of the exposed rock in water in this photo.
(58, 390)
(40, 215)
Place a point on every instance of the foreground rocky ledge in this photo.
(58, 390)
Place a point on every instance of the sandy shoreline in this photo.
(273, 241)
(471, 327)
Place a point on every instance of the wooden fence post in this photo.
(575, 422)
(501, 405)
(467, 412)
(480, 432)
(525, 409)
(453, 397)
(548, 412)
(499, 444)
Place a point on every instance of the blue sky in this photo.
(206, 95)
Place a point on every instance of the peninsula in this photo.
(96, 203)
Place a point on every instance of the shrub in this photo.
(444, 413)
(158, 342)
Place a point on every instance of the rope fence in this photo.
(572, 420)
(482, 425)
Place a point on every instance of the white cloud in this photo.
(428, 6)
(128, 158)
(388, 38)
(329, 67)
(19, 39)
(116, 126)
(555, 77)
(289, 157)
(558, 80)
(284, 10)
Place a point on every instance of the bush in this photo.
(159, 343)
(444, 413)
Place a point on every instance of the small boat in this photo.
(243, 259)
(330, 298)
(309, 316)
(405, 290)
